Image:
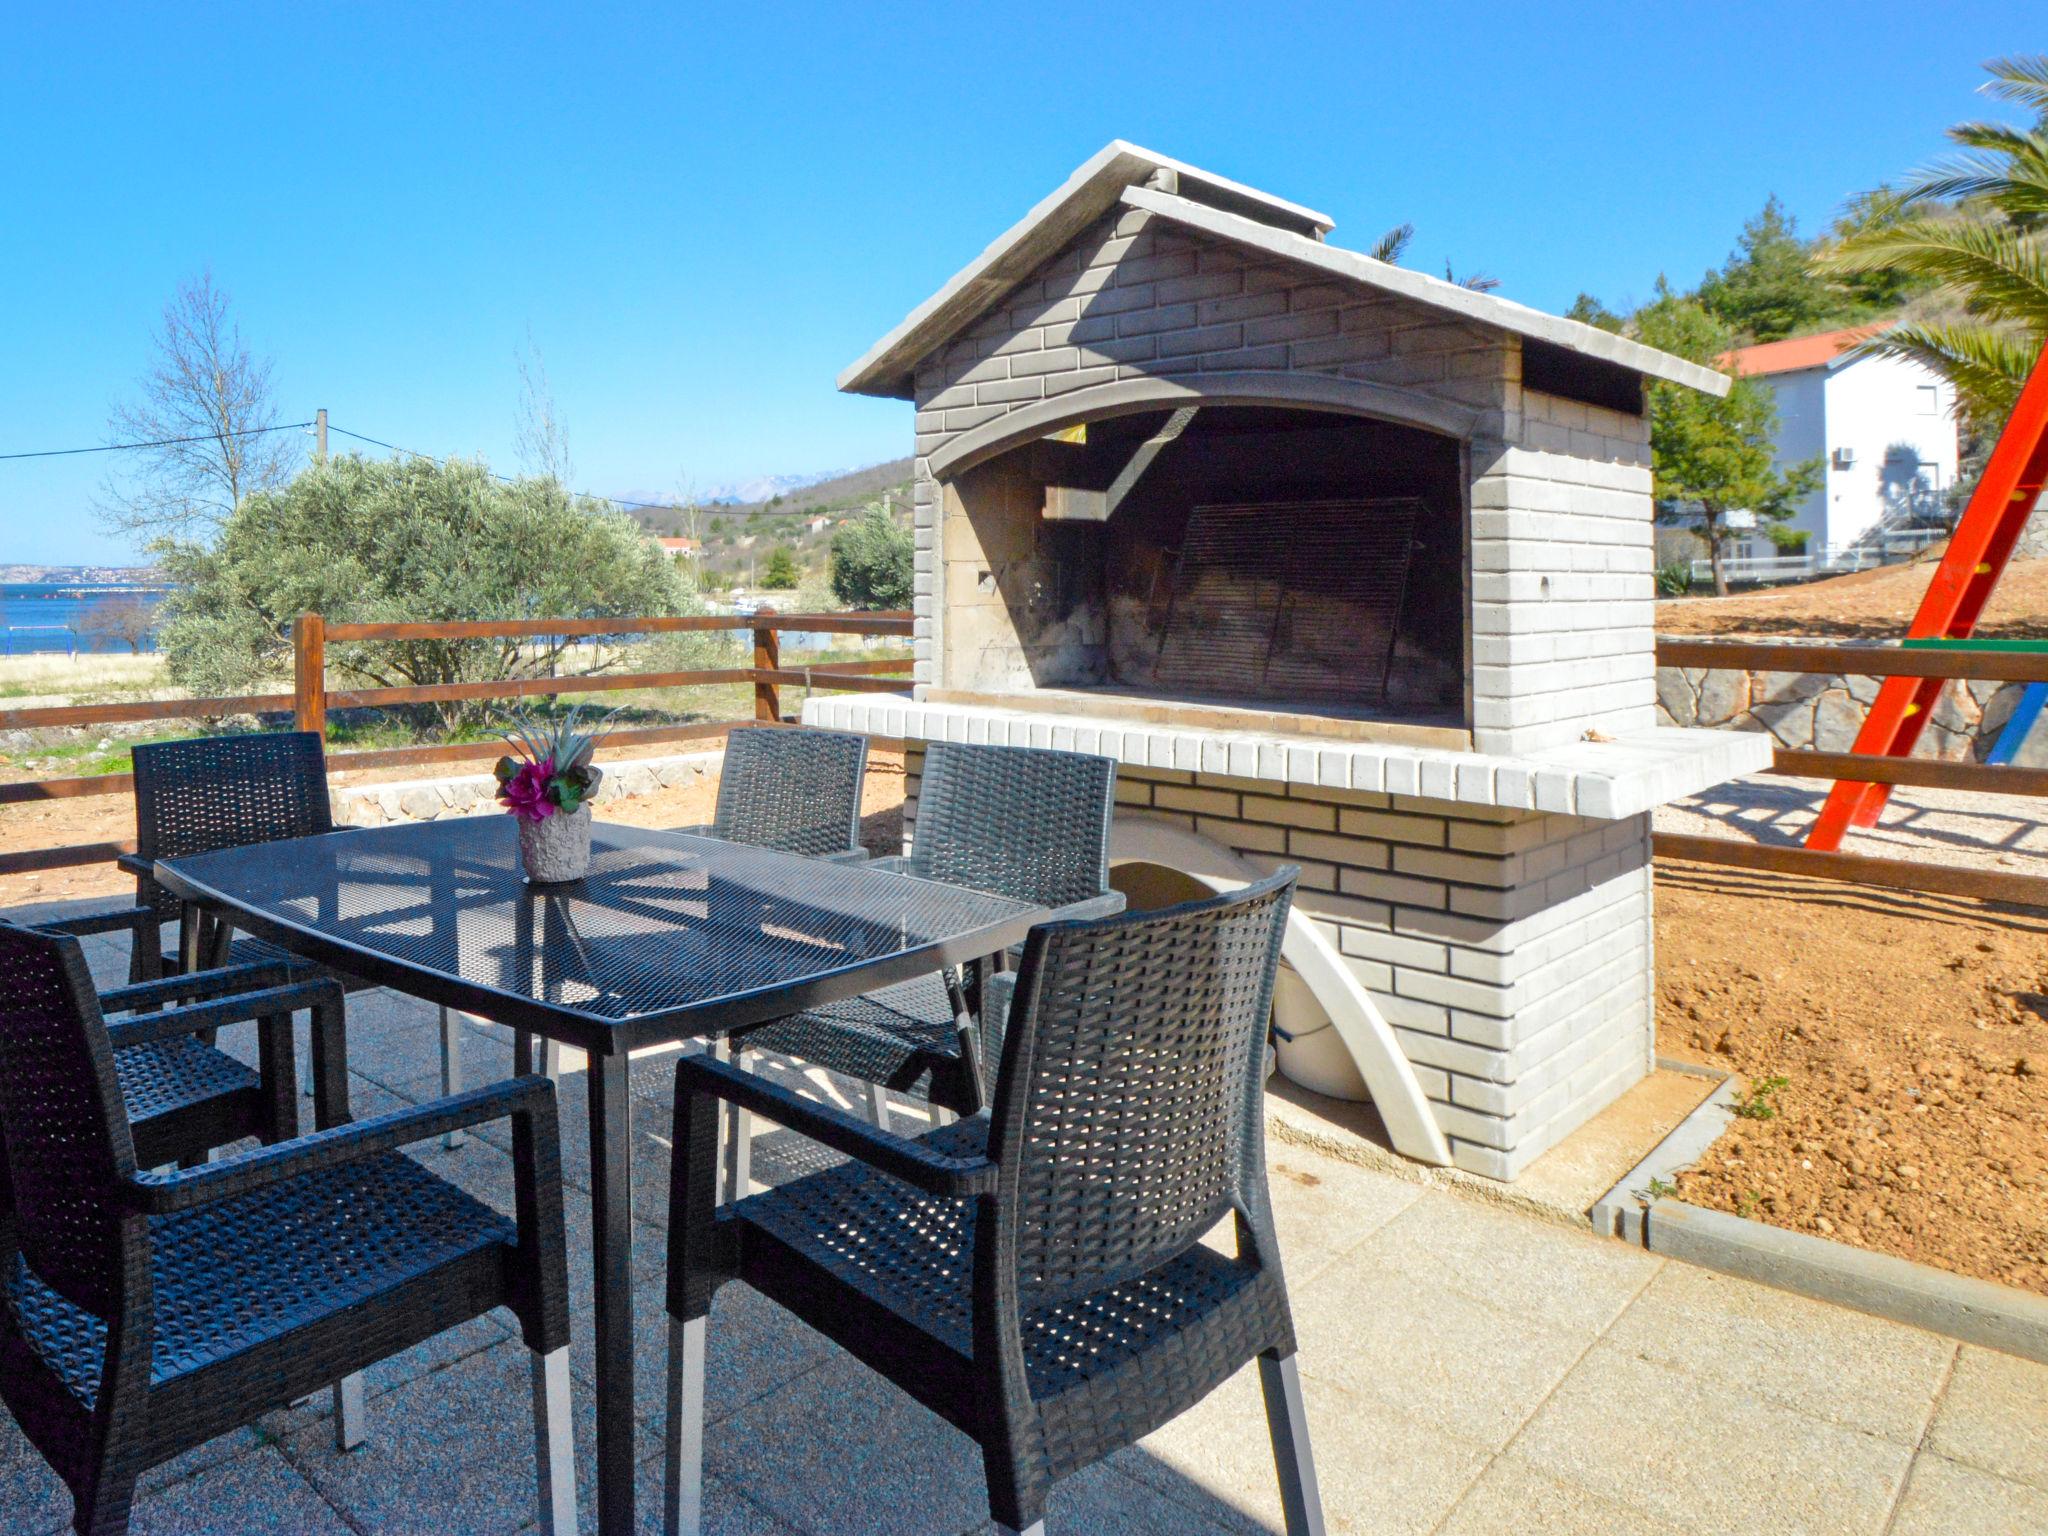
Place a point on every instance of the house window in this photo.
(1926, 400)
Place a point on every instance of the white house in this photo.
(1883, 428)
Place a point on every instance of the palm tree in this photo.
(1977, 224)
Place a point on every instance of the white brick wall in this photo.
(1560, 513)
(1510, 951)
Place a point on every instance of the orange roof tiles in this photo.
(1797, 352)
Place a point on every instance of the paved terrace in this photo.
(1468, 1370)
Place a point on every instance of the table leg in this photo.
(611, 1221)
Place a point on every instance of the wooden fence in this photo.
(1855, 768)
(311, 699)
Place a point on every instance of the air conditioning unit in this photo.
(1845, 458)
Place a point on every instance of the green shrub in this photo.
(1674, 578)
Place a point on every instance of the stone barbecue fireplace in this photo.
(1348, 568)
(1237, 561)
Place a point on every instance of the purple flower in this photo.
(525, 794)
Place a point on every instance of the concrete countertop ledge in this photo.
(1606, 780)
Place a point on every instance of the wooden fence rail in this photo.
(1862, 768)
(310, 699)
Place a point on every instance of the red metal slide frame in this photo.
(1963, 582)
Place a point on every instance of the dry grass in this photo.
(47, 676)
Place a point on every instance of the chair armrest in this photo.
(900, 1157)
(159, 1194)
(197, 984)
(321, 992)
(133, 918)
(136, 864)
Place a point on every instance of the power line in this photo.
(617, 501)
(374, 442)
(162, 442)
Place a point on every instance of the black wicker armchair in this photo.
(219, 792)
(1037, 1275)
(1015, 820)
(184, 1098)
(791, 788)
(142, 1314)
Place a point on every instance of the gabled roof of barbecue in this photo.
(1124, 174)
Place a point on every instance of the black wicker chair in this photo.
(791, 788)
(220, 792)
(185, 1098)
(1036, 1276)
(142, 1314)
(214, 792)
(1022, 822)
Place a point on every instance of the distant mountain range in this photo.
(759, 491)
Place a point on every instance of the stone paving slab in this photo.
(1823, 1361)
(1514, 1496)
(1946, 1498)
(1708, 1456)
(1995, 1416)
(1382, 1472)
(1510, 1262)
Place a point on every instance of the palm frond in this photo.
(2020, 77)
(1986, 364)
(2006, 167)
(1389, 246)
(2004, 272)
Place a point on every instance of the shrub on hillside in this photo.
(871, 562)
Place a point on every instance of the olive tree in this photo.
(404, 540)
(872, 562)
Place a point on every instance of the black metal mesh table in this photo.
(668, 937)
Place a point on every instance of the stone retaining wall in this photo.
(1807, 710)
(376, 805)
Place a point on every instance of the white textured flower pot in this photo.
(558, 848)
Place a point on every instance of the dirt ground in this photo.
(1868, 605)
(1911, 1034)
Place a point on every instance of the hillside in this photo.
(846, 492)
(740, 537)
(1868, 605)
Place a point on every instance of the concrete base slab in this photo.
(1561, 1185)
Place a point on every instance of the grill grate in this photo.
(1294, 600)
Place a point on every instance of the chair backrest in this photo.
(794, 789)
(227, 792)
(1018, 821)
(64, 1136)
(1128, 1115)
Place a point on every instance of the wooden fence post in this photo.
(309, 673)
(767, 657)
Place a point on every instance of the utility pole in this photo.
(320, 435)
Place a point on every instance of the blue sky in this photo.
(700, 214)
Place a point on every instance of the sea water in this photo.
(42, 617)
